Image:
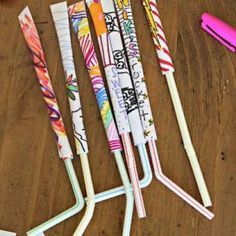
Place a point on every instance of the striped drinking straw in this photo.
(125, 17)
(167, 69)
(95, 9)
(32, 39)
(61, 21)
(81, 27)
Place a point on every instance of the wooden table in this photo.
(33, 181)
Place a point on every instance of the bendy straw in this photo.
(147, 178)
(122, 67)
(131, 103)
(125, 17)
(116, 98)
(32, 38)
(81, 27)
(167, 69)
(128, 31)
(78, 12)
(144, 182)
(61, 21)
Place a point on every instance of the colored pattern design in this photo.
(121, 63)
(158, 36)
(32, 38)
(81, 27)
(117, 98)
(125, 17)
(109, 67)
(71, 85)
(61, 20)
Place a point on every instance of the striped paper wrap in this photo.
(125, 17)
(109, 67)
(131, 103)
(32, 38)
(158, 36)
(80, 24)
(60, 17)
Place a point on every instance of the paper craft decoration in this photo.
(167, 69)
(126, 19)
(32, 38)
(30, 33)
(60, 18)
(61, 21)
(131, 103)
(117, 98)
(81, 27)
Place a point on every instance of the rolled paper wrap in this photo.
(125, 17)
(32, 38)
(95, 9)
(60, 17)
(131, 103)
(109, 67)
(81, 27)
(158, 36)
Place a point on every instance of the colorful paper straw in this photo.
(128, 31)
(129, 35)
(131, 103)
(32, 38)
(147, 178)
(81, 27)
(116, 98)
(61, 21)
(167, 69)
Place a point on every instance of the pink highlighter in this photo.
(220, 30)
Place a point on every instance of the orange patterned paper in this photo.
(98, 20)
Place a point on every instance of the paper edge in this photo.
(25, 11)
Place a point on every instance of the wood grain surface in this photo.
(33, 182)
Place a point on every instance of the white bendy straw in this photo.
(32, 39)
(61, 21)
